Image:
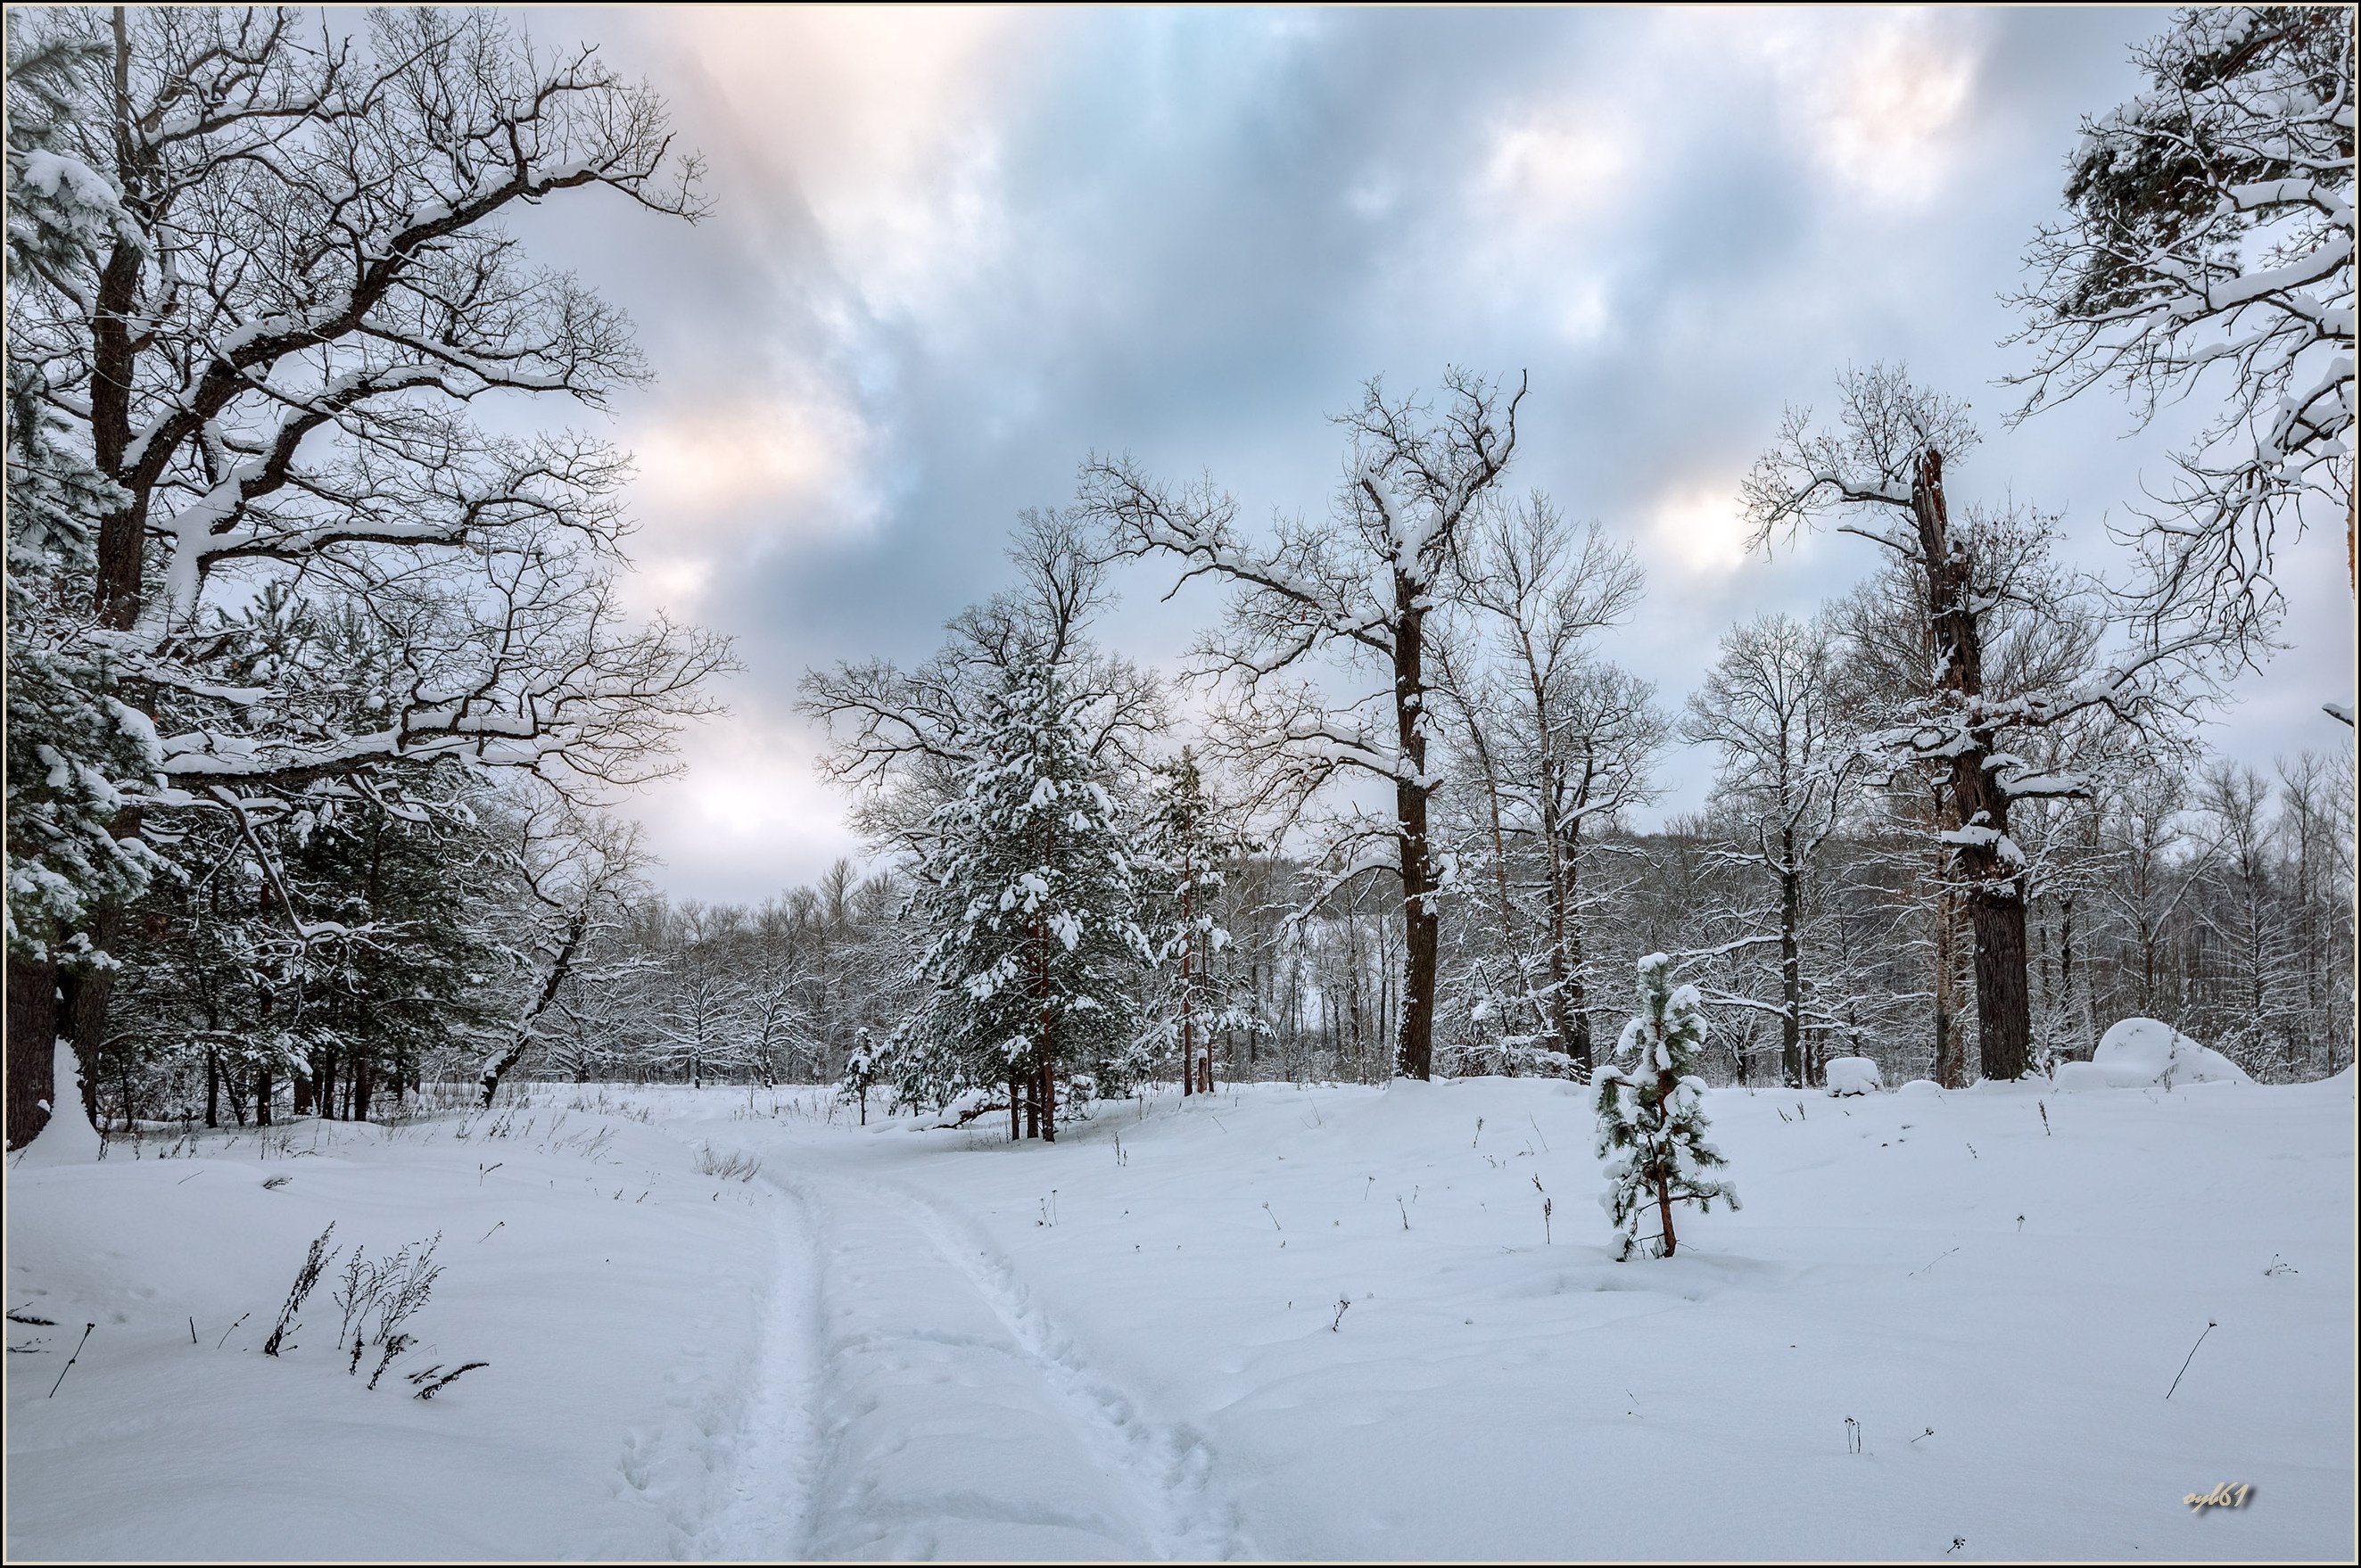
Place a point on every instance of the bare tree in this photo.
(577, 871)
(1882, 474)
(2210, 239)
(2143, 822)
(295, 286)
(1364, 587)
(2256, 999)
(1559, 738)
(1771, 709)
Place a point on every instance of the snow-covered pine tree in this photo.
(860, 1075)
(1031, 897)
(1186, 841)
(1652, 1112)
(72, 744)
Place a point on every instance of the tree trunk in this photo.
(2004, 1006)
(1791, 972)
(1995, 883)
(262, 1093)
(1016, 1113)
(212, 1088)
(32, 1045)
(1188, 951)
(1049, 1100)
(1665, 1086)
(1577, 994)
(1421, 930)
(83, 996)
(560, 967)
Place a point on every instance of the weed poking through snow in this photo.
(306, 1277)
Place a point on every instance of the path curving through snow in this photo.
(914, 1402)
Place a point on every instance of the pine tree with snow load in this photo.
(1029, 892)
(1186, 837)
(1652, 1112)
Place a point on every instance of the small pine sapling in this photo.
(1652, 1118)
(859, 1073)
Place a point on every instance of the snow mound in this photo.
(1920, 1086)
(67, 1138)
(1853, 1075)
(2076, 1076)
(2139, 1053)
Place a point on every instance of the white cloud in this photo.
(1700, 528)
(717, 482)
(1549, 166)
(886, 119)
(750, 816)
(1879, 99)
(1885, 117)
(773, 451)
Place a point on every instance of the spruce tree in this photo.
(860, 1075)
(1652, 1118)
(78, 754)
(1028, 894)
(1185, 840)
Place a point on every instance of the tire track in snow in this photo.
(1168, 1467)
(766, 1513)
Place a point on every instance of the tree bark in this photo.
(1049, 1100)
(32, 1045)
(1577, 994)
(1791, 970)
(1188, 951)
(83, 996)
(1665, 1086)
(1995, 886)
(1421, 930)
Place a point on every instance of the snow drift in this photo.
(2141, 1053)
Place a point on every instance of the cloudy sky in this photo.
(952, 252)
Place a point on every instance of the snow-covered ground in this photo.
(889, 1343)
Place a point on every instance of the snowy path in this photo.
(766, 1511)
(917, 1403)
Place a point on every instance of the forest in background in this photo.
(321, 693)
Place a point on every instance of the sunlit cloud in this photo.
(887, 119)
(784, 455)
(717, 484)
(1549, 166)
(1700, 528)
(1886, 114)
(750, 812)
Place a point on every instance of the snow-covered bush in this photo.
(2140, 1053)
(1652, 1118)
(1853, 1075)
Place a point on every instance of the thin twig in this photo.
(2184, 1366)
(71, 1359)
